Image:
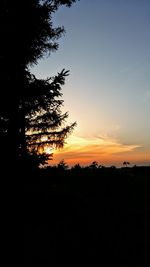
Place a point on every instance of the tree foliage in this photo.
(30, 108)
(44, 120)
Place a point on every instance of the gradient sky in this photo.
(106, 47)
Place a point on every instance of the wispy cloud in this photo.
(84, 150)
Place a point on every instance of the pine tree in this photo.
(45, 123)
(31, 116)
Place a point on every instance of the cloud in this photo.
(87, 149)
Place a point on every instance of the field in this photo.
(87, 216)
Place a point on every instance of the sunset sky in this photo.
(106, 47)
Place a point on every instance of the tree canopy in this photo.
(30, 108)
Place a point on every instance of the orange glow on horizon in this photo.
(105, 151)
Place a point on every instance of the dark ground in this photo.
(95, 217)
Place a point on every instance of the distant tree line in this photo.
(62, 165)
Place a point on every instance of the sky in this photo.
(106, 47)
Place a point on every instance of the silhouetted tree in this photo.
(31, 115)
(113, 167)
(43, 119)
(76, 167)
(62, 165)
(94, 165)
(126, 163)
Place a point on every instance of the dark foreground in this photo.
(95, 217)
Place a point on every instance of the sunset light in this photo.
(107, 91)
(75, 131)
(105, 150)
(48, 150)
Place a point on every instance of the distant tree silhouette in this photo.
(113, 167)
(100, 166)
(76, 167)
(94, 165)
(126, 163)
(62, 165)
(30, 117)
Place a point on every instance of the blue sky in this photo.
(106, 47)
